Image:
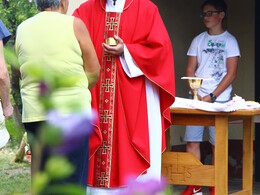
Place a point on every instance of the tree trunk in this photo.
(17, 98)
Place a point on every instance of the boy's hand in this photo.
(206, 98)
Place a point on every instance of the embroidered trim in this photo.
(106, 105)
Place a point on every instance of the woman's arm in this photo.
(91, 64)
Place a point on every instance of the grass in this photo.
(15, 178)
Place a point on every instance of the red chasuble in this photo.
(119, 147)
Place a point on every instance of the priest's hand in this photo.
(117, 50)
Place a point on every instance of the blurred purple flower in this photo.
(149, 187)
(75, 127)
(30, 1)
(44, 89)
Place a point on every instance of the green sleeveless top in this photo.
(47, 40)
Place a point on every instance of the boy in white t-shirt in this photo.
(212, 54)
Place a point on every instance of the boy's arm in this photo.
(232, 64)
(191, 66)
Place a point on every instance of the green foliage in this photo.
(40, 182)
(58, 168)
(48, 75)
(49, 135)
(16, 134)
(168, 191)
(11, 57)
(14, 12)
(66, 190)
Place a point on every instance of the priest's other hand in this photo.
(117, 50)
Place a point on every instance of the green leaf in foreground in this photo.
(58, 167)
(66, 190)
(11, 57)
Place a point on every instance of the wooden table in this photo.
(184, 168)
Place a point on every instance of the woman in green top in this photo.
(62, 44)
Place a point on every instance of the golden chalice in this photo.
(111, 41)
(195, 84)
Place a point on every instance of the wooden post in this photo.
(221, 155)
(248, 154)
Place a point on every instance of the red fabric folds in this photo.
(147, 40)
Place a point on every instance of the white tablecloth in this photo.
(233, 105)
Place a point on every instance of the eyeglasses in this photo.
(209, 13)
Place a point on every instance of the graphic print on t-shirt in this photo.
(215, 51)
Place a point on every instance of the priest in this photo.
(135, 90)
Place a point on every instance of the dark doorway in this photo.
(257, 88)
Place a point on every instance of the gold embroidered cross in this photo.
(102, 178)
(107, 85)
(112, 23)
(106, 116)
(105, 147)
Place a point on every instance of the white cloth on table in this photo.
(235, 104)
